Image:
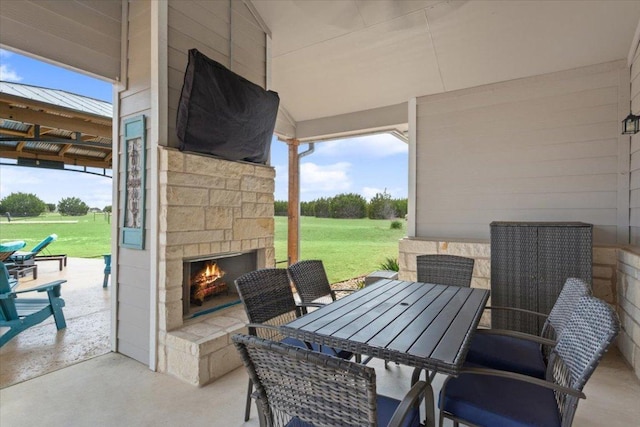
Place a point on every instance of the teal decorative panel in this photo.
(134, 172)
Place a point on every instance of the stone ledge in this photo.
(201, 350)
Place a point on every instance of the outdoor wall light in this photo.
(631, 124)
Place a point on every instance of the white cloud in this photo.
(5, 53)
(324, 180)
(8, 74)
(377, 146)
(369, 192)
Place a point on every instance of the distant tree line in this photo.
(349, 205)
(29, 205)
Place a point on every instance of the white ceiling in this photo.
(336, 57)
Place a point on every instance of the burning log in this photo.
(207, 282)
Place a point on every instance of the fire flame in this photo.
(212, 271)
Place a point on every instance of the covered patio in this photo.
(511, 110)
(77, 381)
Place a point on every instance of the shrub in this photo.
(22, 204)
(281, 208)
(321, 208)
(72, 206)
(400, 207)
(349, 205)
(381, 206)
(307, 208)
(51, 207)
(107, 209)
(396, 225)
(390, 264)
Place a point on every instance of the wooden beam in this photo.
(6, 98)
(64, 149)
(20, 146)
(26, 115)
(14, 132)
(293, 223)
(9, 153)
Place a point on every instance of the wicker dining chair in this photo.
(490, 397)
(449, 270)
(299, 387)
(268, 301)
(310, 280)
(524, 353)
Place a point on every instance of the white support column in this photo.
(158, 134)
(411, 203)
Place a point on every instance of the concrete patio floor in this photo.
(69, 377)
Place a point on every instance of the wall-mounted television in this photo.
(224, 114)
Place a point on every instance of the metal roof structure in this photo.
(52, 128)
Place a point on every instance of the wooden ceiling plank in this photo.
(17, 100)
(69, 160)
(53, 121)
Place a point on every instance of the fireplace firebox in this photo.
(208, 282)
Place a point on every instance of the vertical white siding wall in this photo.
(83, 35)
(134, 266)
(634, 181)
(209, 26)
(543, 148)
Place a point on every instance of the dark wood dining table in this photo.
(421, 325)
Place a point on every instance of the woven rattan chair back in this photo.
(310, 279)
(585, 338)
(268, 299)
(449, 270)
(317, 388)
(572, 291)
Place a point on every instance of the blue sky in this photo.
(363, 165)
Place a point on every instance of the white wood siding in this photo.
(134, 266)
(634, 160)
(208, 26)
(543, 148)
(84, 35)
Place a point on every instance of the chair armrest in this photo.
(310, 304)
(411, 399)
(47, 287)
(516, 334)
(519, 310)
(263, 326)
(524, 378)
(42, 288)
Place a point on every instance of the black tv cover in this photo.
(224, 114)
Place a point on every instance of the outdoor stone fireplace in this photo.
(208, 282)
(211, 210)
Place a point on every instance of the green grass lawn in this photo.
(347, 247)
(86, 236)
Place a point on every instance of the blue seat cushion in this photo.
(315, 347)
(507, 354)
(499, 402)
(386, 408)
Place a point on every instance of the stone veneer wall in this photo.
(629, 306)
(604, 264)
(208, 206)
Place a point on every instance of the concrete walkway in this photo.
(42, 348)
